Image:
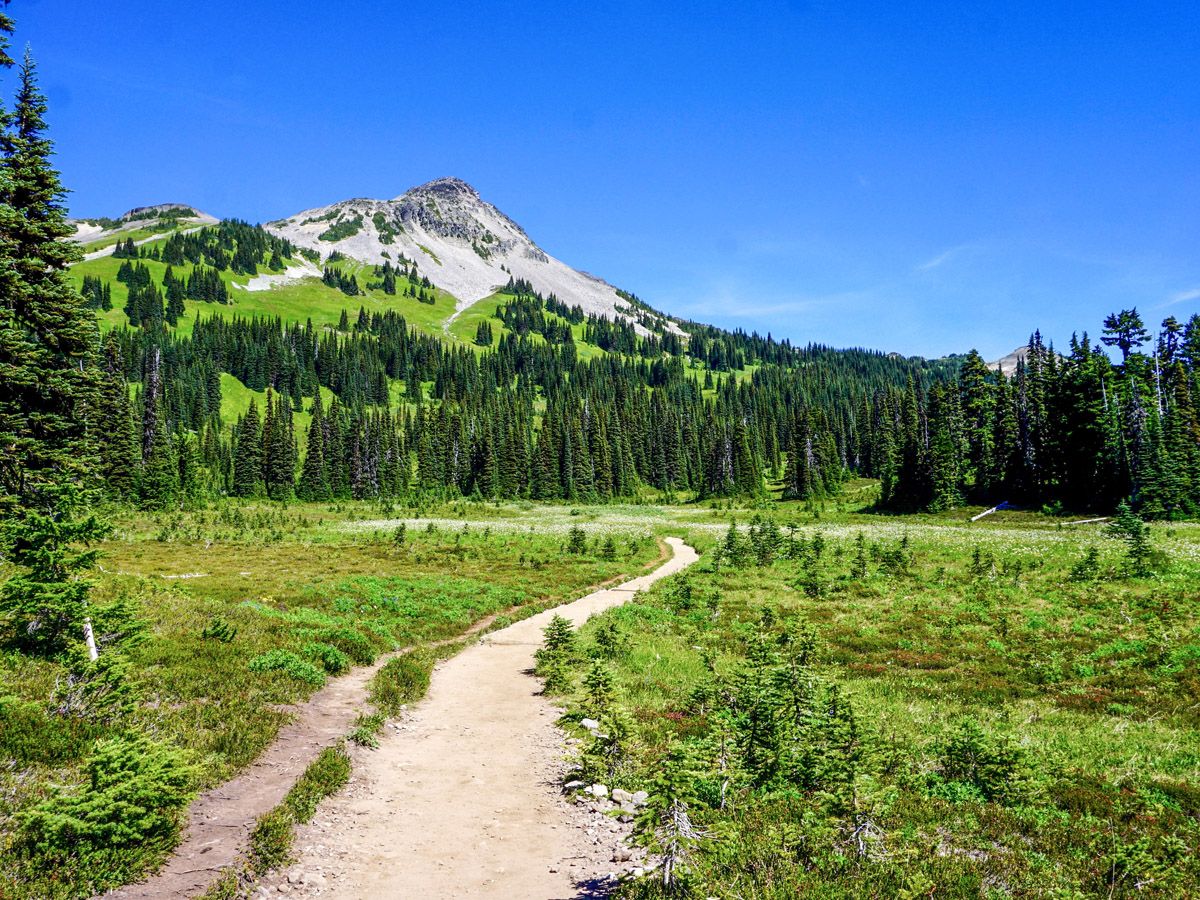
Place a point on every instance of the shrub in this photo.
(98, 691)
(993, 766)
(366, 730)
(289, 663)
(333, 660)
(227, 887)
(29, 734)
(272, 838)
(352, 642)
(402, 680)
(134, 794)
(271, 841)
(219, 630)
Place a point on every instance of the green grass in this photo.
(236, 397)
(1096, 684)
(297, 580)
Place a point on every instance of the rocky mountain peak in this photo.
(459, 241)
(449, 188)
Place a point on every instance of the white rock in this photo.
(598, 790)
(589, 724)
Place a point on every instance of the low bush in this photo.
(366, 730)
(402, 680)
(134, 794)
(991, 765)
(352, 642)
(333, 660)
(289, 663)
(30, 734)
(324, 776)
(271, 841)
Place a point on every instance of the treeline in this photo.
(472, 423)
(232, 245)
(1074, 431)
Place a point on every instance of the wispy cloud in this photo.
(939, 260)
(1182, 297)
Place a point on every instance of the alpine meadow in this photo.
(374, 551)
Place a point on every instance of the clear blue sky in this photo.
(921, 177)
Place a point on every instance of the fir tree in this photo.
(44, 604)
(314, 476)
(47, 334)
(248, 455)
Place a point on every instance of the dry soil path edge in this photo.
(220, 819)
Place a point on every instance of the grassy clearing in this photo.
(1019, 724)
(246, 610)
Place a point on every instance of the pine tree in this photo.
(47, 334)
(159, 486)
(44, 604)
(314, 476)
(279, 449)
(247, 459)
(120, 454)
(1125, 331)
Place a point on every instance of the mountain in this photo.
(460, 242)
(1008, 364)
(141, 223)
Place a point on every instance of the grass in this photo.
(401, 681)
(165, 227)
(221, 587)
(1094, 683)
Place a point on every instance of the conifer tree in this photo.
(120, 453)
(279, 449)
(47, 334)
(314, 476)
(247, 458)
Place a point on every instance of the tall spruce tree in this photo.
(48, 395)
(314, 476)
(247, 456)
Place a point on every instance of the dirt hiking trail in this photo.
(462, 798)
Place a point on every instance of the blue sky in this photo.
(921, 177)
